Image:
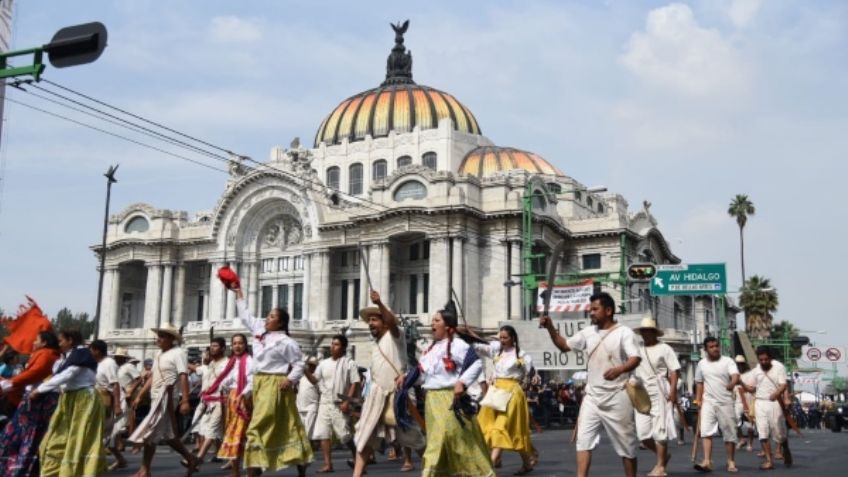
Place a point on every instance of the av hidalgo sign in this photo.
(691, 279)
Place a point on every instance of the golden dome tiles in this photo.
(488, 160)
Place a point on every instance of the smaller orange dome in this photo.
(487, 160)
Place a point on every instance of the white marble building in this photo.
(401, 172)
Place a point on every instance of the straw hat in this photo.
(169, 329)
(121, 352)
(649, 324)
(740, 359)
(366, 312)
(312, 360)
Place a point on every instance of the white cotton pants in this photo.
(770, 421)
(330, 420)
(614, 413)
(659, 425)
(715, 417)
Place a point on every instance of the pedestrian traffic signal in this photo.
(641, 271)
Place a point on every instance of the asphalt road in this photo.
(818, 453)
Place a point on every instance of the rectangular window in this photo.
(425, 250)
(354, 258)
(343, 310)
(267, 300)
(591, 261)
(355, 299)
(284, 264)
(425, 286)
(413, 294)
(344, 259)
(413, 252)
(298, 263)
(199, 314)
(283, 297)
(298, 301)
(267, 265)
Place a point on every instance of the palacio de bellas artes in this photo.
(403, 178)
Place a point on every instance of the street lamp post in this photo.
(110, 179)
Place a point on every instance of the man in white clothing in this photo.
(715, 378)
(612, 356)
(307, 398)
(658, 372)
(211, 425)
(106, 383)
(769, 383)
(334, 376)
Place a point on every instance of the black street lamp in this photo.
(110, 179)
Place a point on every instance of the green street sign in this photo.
(691, 279)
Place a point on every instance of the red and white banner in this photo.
(567, 298)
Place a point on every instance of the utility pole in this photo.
(110, 179)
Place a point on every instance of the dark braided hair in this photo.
(448, 314)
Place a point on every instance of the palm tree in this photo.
(759, 300)
(740, 208)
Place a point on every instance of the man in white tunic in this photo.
(743, 405)
(769, 383)
(128, 379)
(106, 383)
(334, 376)
(388, 363)
(169, 368)
(715, 378)
(307, 398)
(612, 357)
(211, 425)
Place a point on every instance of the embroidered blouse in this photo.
(432, 364)
(507, 364)
(274, 352)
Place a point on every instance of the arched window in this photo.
(379, 169)
(600, 208)
(578, 196)
(538, 200)
(404, 161)
(333, 177)
(554, 188)
(410, 190)
(589, 201)
(354, 181)
(429, 160)
(137, 224)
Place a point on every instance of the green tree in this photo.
(740, 209)
(759, 300)
(840, 384)
(65, 318)
(781, 331)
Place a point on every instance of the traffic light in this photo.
(799, 341)
(641, 271)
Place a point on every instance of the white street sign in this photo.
(823, 354)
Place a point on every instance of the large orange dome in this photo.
(487, 160)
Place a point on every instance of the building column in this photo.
(505, 266)
(290, 300)
(327, 291)
(439, 266)
(363, 277)
(253, 288)
(179, 296)
(458, 273)
(153, 295)
(515, 291)
(216, 294)
(229, 297)
(114, 312)
(107, 321)
(385, 271)
(167, 291)
(307, 285)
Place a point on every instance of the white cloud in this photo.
(675, 51)
(741, 12)
(232, 29)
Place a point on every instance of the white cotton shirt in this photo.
(610, 347)
(307, 395)
(663, 359)
(127, 373)
(167, 368)
(716, 375)
(432, 364)
(70, 379)
(768, 382)
(231, 381)
(507, 365)
(211, 373)
(273, 352)
(326, 372)
(107, 375)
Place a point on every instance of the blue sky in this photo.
(683, 104)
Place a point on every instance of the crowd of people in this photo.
(76, 409)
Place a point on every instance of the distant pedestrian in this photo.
(769, 383)
(715, 378)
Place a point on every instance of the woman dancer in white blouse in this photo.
(275, 437)
(508, 429)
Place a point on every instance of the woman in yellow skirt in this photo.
(454, 447)
(73, 444)
(275, 437)
(508, 429)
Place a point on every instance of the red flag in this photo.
(25, 327)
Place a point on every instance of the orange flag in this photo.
(25, 327)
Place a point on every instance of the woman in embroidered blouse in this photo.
(73, 444)
(24, 431)
(275, 437)
(452, 448)
(509, 429)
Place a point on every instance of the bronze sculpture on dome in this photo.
(399, 63)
